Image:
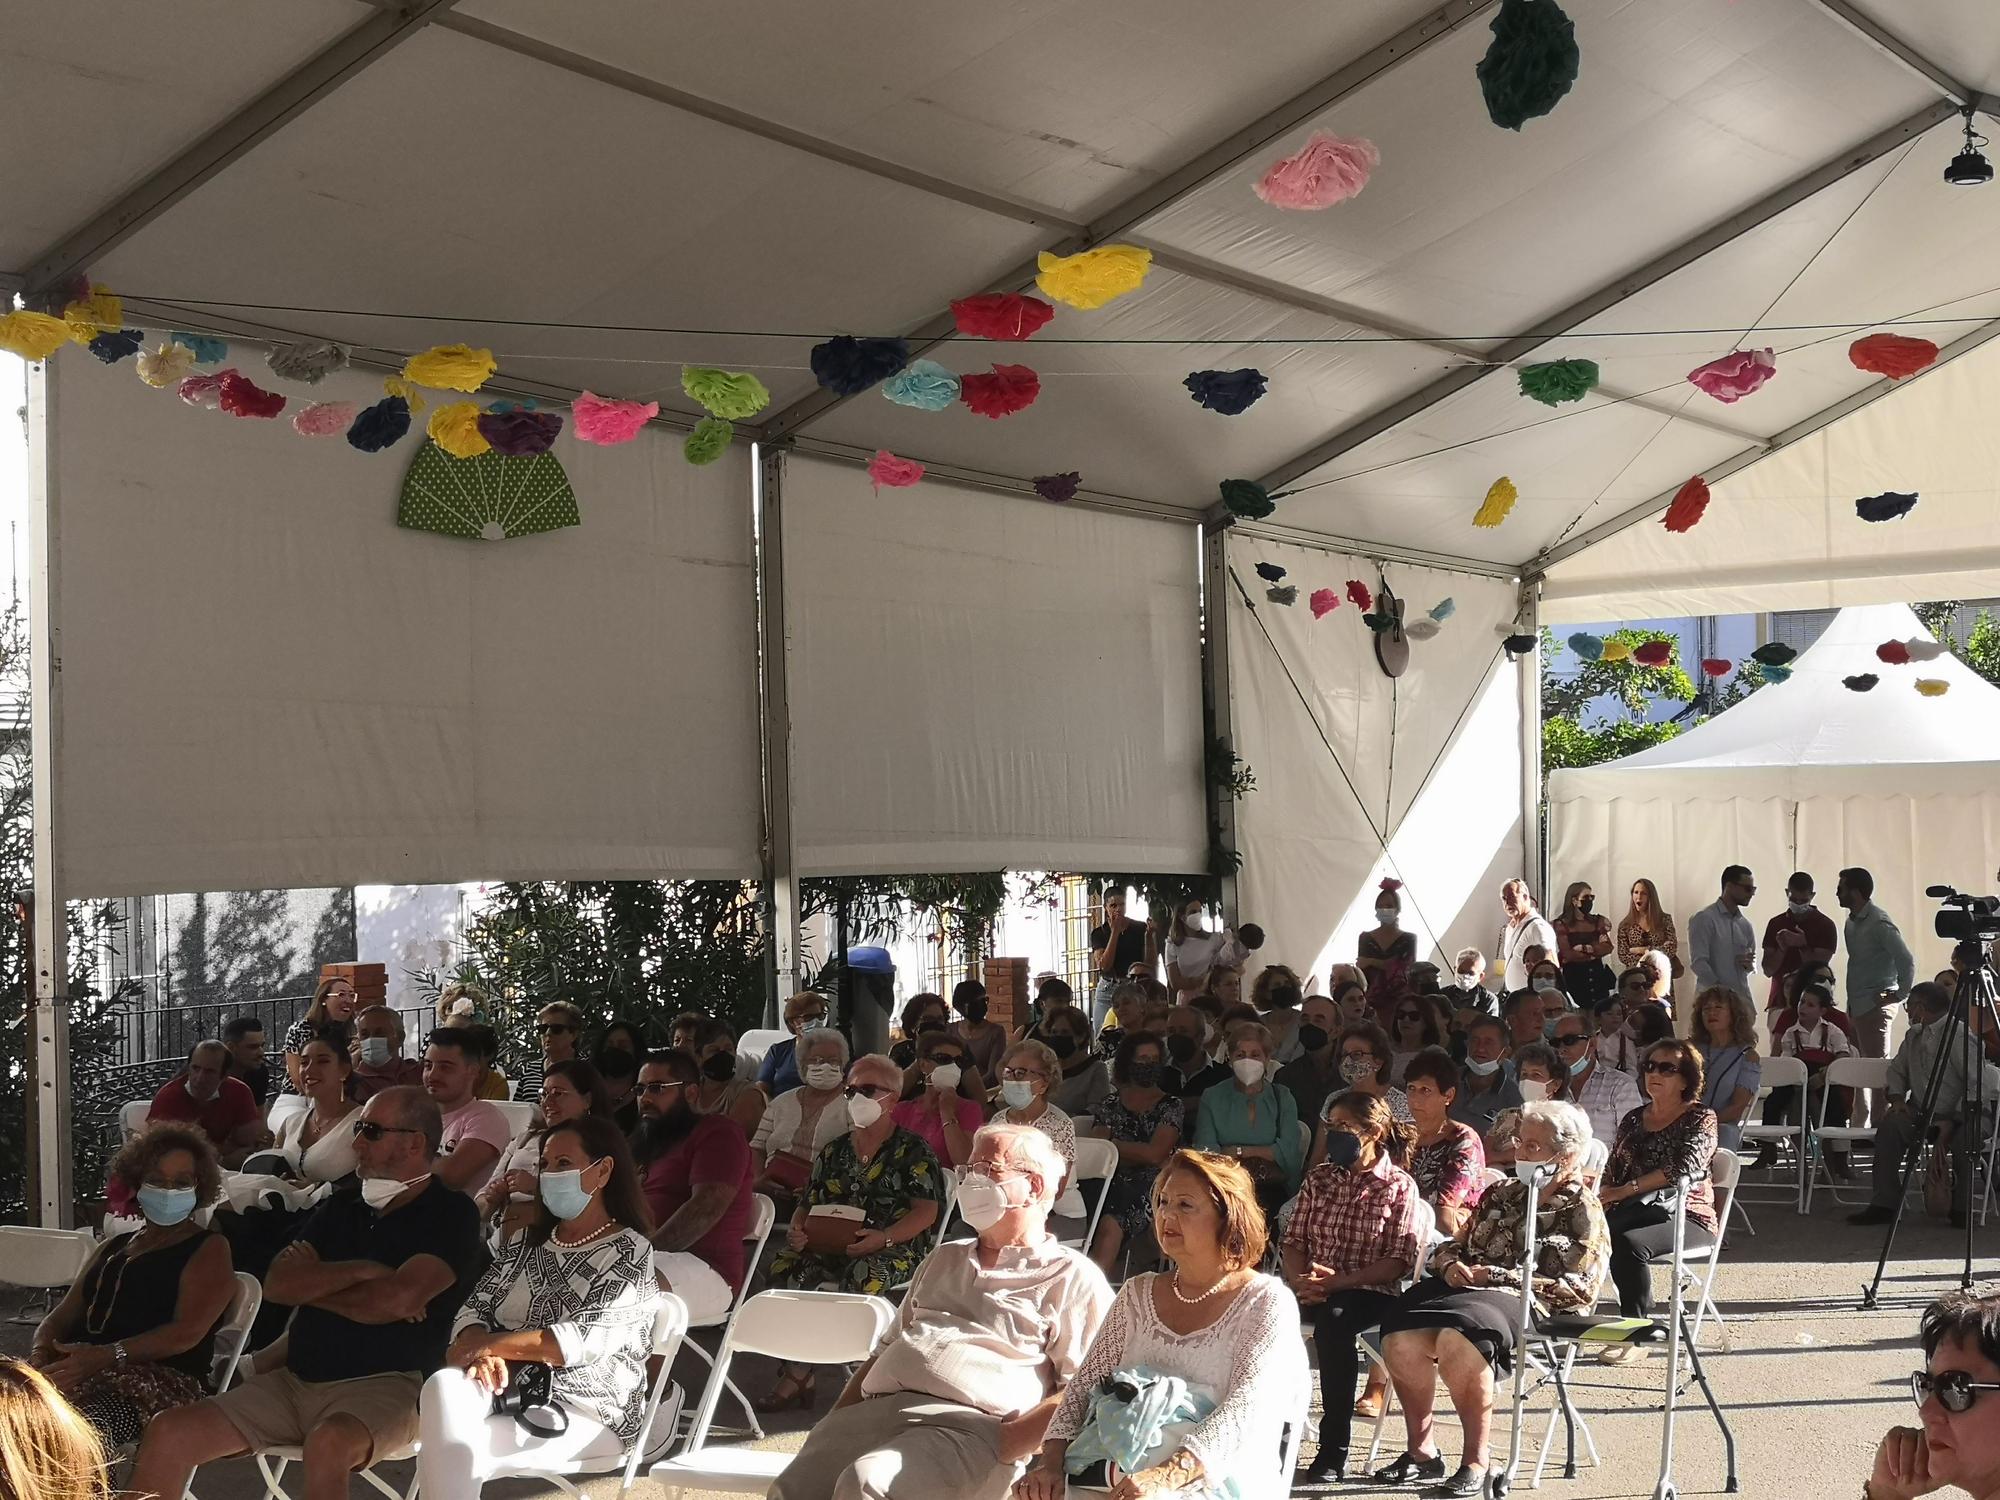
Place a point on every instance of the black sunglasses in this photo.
(1571, 1039)
(1956, 1390)
(369, 1130)
(941, 1059)
(1663, 1067)
(549, 1028)
(865, 1090)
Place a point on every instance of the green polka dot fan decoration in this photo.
(487, 498)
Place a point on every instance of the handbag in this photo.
(529, 1397)
(787, 1171)
(1136, 1420)
(1937, 1186)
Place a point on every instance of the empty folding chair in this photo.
(42, 1261)
(1856, 1073)
(763, 1216)
(1096, 1161)
(1780, 1073)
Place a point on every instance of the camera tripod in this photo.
(1980, 987)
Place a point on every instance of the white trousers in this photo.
(464, 1445)
(696, 1283)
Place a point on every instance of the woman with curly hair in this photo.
(135, 1335)
(1724, 1031)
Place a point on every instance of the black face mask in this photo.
(720, 1068)
(973, 1011)
(1586, 904)
(1312, 1037)
(1145, 1075)
(1343, 1147)
(1182, 1048)
(1063, 1046)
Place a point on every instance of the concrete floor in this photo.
(1808, 1380)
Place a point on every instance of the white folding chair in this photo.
(283, 1108)
(132, 1117)
(764, 1215)
(1992, 1146)
(751, 1047)
(273, 1462)
(813, 1328)
(1780, 1073)
(1854, 1073)
(44, 1261)
(233, 1332)
(1725, 1170)
(520, 1116)
(1096, 1161)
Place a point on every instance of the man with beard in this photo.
(696, 1173)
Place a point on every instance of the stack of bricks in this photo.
(1007, 991)
(370, 981)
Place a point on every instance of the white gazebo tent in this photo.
(1808, 775)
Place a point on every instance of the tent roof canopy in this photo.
(603, 192)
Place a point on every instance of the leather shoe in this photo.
(1329, 1467)
(1467, 1481)
(1409, 1466)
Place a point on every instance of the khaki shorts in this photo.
(277, 1410)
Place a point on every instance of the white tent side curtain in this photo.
(266, 682)
(1429, 763)
(981, 681)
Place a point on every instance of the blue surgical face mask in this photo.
(565, 1194)
(1549, 1027)
(1582, 1061)
(1484, 1067)
(374, 1051)
(165, 1206)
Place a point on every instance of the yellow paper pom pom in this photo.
(396, 385)
(1092, 278)
(1616, 651)
(1933, 687)
(450, 367)
(1499, 500)
(32, 335)
(103, 311)
(454, 427)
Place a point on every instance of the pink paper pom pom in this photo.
(1736, 374)
(1327, 170)
(897, 473)
(324, 419)
(603, 421)
(203, 390)
(1324, 602)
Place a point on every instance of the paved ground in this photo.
(1808, 1380)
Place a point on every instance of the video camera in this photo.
(1966, 919)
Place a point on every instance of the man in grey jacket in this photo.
(1901, 1128)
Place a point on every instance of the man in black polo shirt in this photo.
(377, 1276)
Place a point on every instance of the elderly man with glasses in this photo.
(1604, 1094)
(377, 1277)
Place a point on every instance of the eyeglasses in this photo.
(660, 1088)
(1662, 1067)
(1023, 1075)
(1408, 1015)
(945, 1059)
(1571, 1039)
(369, 1130)
(865, 1090)
(1955, 1390)
(552, 1028)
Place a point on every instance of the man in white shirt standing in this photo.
(1525, 928)
(1723, 943)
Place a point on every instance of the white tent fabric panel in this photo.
(1430, 762)
(267, 683)
(1783, 534)
(981, 682)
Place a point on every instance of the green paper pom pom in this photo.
(1243, 497)
(732, 395)
(1559, 380)
(709, 441)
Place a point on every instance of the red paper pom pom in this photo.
(1358, 595)
(1008, 389)
(1895, 653)
(1001, 315)
(241, 397)
(1689, 505)
(1892, 354)
(1653, 653)
(1715, 666)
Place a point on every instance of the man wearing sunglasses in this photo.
(695, 1170)
(1604, 1094)
(1959, 1442)
(377, 1277)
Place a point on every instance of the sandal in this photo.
(1411, 1466)
(792, 1391)
(1368, 1405)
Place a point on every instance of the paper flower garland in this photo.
(1001, 392)
(1230, 392)
(606, 422)
(1933, 687)
(847, 366)
(323, 418)
(708, 441)
(1248, 499)
(1892, 354)
(202, 390)
(1689, 504)
(1500, 498)
(165, 364)
(32, 335)
(100, 310)
(924, 384)
(1519, 645)
(518, 433)
(381, 425)
(119, 343)
(1888, 506)
(1058, 488)
(1653, 653)
(1861, 683)
(240, 397)
(1422, 630)
(1381, 622)
(206, 351)
(1531, 63)
(897, 473)
(1921, 649)
(1586, 647)
(1328, 169)
(450, 367)
(1323, 603)
(1358, 595)
(307, 363)
(1271, 572)
(1773, 654)
(1558, 381)
(454, 427)
(1617, 651)
(1287, 593)
(730, 394)
(1091, 278)
(1007, 316)
(1715, 666)
(1895, 653)
(1443, 610)
(488, 498)
(1777, 674)
(1735, 375)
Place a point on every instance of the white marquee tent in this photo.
(1804, 775)
(766, 668)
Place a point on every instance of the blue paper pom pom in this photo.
(380, 425)
(1270, 572)
(116, 344)
(924, 384)
(1587, 647)
(1777, 674)
(1231, 392)
(207, 351)
(1444, 609)
(847, 366)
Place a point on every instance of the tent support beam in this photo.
(1533, 855)
(1736, 462)
(1218, 713)
(48, 1017)
(1373, 552)
(269, 112)
(1129, 213)
(1688, 251)
(1853, 19)
(781, 903)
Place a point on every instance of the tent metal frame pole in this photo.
(781, 903)
(1374, 552)
(1612, 293)
(1218, 715)
(49, 1015)
(1877, 36)
(1534, 856)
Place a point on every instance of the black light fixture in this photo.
(1970, 167)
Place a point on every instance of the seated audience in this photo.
(695, 1173)
(805, 1011)
(1254, 1119)
(985, 1040)
(1459, 1323)
(1669, 1140)
(1350, 998)
(576, 1293)
(1278, 995)
(558, 1028)
(483, 1042)
(333, 1000)
(203, 1095)
(1314, 1074)
(798, 1123)
(244, 1037)
(475, 1133)
(618, 1070)
(1144, 1121)
(1128, 1010)
(944, 1100)
(1817, 976)
(1051, 995)
(992, 1330)
(1027, 1072)
(317, 1142)
(1487, 1086)
(723, 1091)
(1724, 1032)
(1538, 1076)
(1816, 1041)
(377, 1277)
(1524, 1014)
(1959, 1442)
(135, 1334)
(1652, 1022)
(1604, 1094)
(1214, 1322)
(1352, 1240)
(880, 1169)
(622, 1034)
(379, 1062)
(921, 1013)
(1447, 1159)
(684, 1031)
(47, 1450)
(1364, 1069)
(1414, 1024)
(1193, 1069)
(1659, 966)
(1083, 1082)
(1613, 1042)
(570, 1090)
(1901, 1128)
(1470, 997)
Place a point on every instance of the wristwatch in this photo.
(118, 1354)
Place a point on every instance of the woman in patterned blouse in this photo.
(1144, 1121)
(1448, 1160)
(1670, 1139)
(1461, 1321)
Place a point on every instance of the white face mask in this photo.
(982, 1202)
(1483, 1068)
(1387, 915)
(380, 1192)
(1018, 1092)
(1248, 1070)
(823, 1075)
(1533, 1171)
(374, 1051)
(1466, 981)
(945, 1076)
(863, 1111)
(1798, 908)
(1533, 1090)
(1544, 986)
